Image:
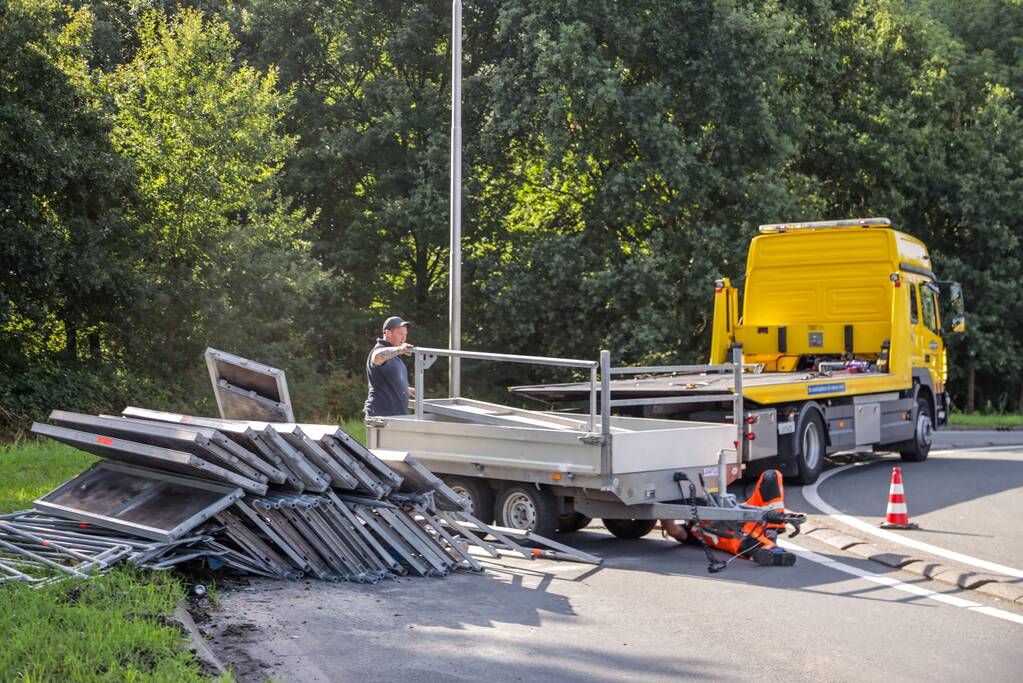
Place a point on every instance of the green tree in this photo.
(225, 260)
(629, 150)
(372, 105)
(67, 249)
(912, 122)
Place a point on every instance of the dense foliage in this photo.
(271, 177)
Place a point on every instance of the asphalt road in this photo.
(967, 500)
(652, 612)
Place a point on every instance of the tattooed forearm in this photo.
(381, 356)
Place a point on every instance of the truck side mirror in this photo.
(956, 309)
(956, 292)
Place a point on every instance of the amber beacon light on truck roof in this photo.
(847, 223)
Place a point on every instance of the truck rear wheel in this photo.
(527, 508)
(630, 528)
(811, 442)
(923, 432)
(477, 493)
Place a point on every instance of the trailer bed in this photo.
(636, 464)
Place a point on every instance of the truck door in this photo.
(928, 332)
(917, 342)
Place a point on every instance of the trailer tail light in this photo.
(751, 436)
(751, 420)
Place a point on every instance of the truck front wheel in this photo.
(811, 443)
(922, 434)
(527, 508)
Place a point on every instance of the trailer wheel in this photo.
(527, 508)
(922, 433)
(811, 443)
(630, 528)
(477, 493)
(572, 521)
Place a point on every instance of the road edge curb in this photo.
(197, 643)
(992, 585)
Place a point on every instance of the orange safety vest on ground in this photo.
(752, 540)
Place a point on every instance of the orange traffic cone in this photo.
(897, 516)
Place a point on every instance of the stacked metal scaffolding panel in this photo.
(248, 390)
(273, 499)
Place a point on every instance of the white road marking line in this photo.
(971, 449)
(814, 499)
(951, 600)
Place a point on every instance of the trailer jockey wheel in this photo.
(477, 493)
(527, 508)
(811, 444)
(922, 433)
(630, 528)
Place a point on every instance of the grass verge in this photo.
(30, 469)
(975, 420)
(110, 628)
(355, 429)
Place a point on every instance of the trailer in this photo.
(546, 471)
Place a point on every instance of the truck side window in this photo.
(914, 307)
(929, 309)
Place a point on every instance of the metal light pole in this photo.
(455, 271)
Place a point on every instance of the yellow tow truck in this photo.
(842, 341)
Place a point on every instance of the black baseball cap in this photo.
(394, 321)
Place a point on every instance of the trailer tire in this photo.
(527, 508)
(811, 442)
(478, 493)
(572, 521)
(630, 528)
(921, 443)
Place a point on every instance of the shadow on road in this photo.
(521, 620)
(461, 628)
(665, 557)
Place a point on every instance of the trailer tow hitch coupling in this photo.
(794, 519)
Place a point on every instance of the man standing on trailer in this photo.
(387, 375)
